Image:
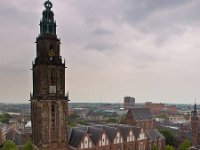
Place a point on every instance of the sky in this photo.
(148, 49)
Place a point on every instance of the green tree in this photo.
(185, 145)
(27, 146)
(169, 137)
(5, 117)
(169, 147)
(73, 116)
(154, 147)
(112, 120)
(8, 145)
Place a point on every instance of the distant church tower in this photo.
(195, 126)
(48, 102)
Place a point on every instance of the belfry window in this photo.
(44, 28)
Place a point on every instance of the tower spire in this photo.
(47, 23)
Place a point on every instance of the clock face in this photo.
(51, 53)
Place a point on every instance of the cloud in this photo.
(148, 49)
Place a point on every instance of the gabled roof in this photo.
(95, 133)
(125, 128)
(112, 129)
(140, 113)
(111, 132)
(154, 134)
(75, 137)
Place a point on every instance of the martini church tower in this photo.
(48, 102)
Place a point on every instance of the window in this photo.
(44, 28)
(53, 116)
(50, 29)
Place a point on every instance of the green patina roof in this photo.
(48, 24)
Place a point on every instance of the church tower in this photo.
(48, 102)
(195, 126)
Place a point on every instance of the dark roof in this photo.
(141, 113)
(125, 130)
(136, 130)
(110, 130)
(154, 134)
(75, 137)
(94, 132)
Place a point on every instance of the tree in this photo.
(169, 147)
(27, 146)
(74, 116)
(154, 147)
(5, 117)
(8, 145)
(185, 145)
(112, 120)
(169, 137)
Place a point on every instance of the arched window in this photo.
(53, 116)
(44, 28)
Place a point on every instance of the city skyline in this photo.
(145, 49)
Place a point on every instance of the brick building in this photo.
(143, 118)
(139, 133)
(107, 137)
(156, 108)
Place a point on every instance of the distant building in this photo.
(156, 108)
(177, 119)
(129, 102)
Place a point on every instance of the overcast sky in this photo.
(149, 49)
